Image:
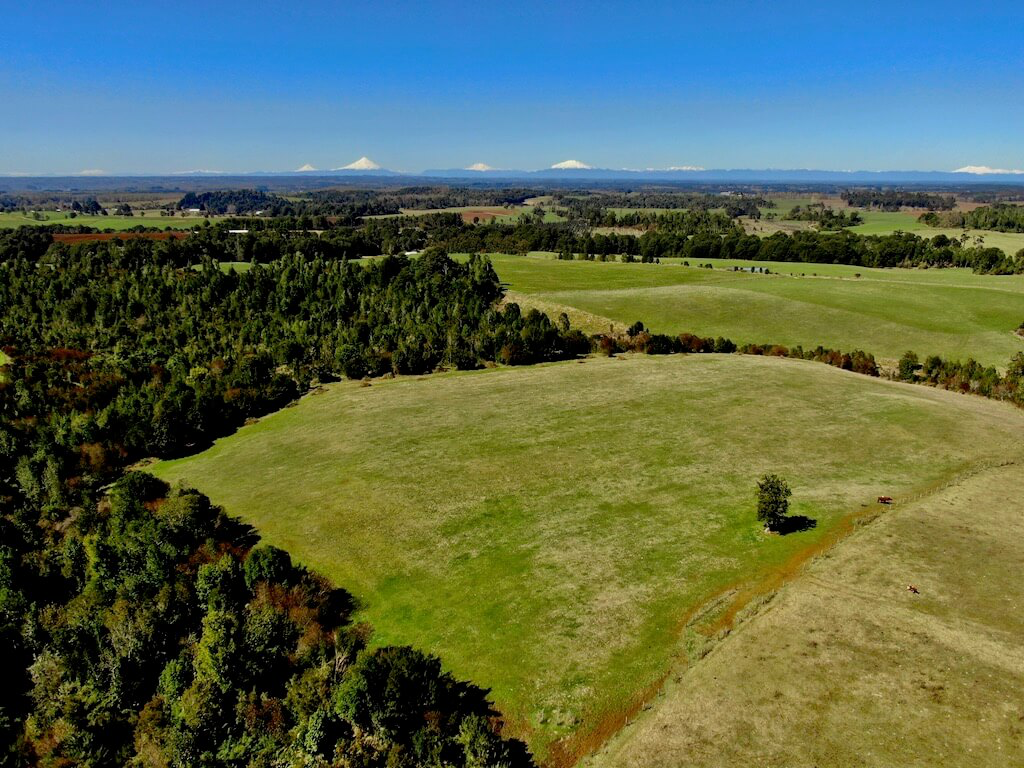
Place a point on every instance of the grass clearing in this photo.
(548, 530)
(949, 312)
(11, 220)
(846, 667)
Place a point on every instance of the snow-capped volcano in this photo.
(362, 164)
(572, 165)
(305, 168)
(984, 170)
(479, 167)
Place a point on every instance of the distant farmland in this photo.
(563, 533)
(948, 312)
(10, 220)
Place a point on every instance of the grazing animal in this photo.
(912, 588)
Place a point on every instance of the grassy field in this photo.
(12, 220)
(952, 313)
(846, 667)
(551, 531)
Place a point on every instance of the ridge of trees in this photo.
(966, 377)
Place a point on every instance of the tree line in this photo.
(895, 199)
(826, 218)
(351, 204)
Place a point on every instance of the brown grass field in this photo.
(847, 667)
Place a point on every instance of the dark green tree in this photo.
(908, 366)
(772, 500)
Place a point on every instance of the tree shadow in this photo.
(794, 524)
(236, 532)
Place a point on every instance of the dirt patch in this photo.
(81, 237)
(485, 214)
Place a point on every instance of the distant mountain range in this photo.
(734, 175)
(573, 171)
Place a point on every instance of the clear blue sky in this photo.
(165, 87)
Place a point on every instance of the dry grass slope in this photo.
(846, 667)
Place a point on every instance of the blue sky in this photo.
(167, 87)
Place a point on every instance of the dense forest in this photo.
(1002, 217)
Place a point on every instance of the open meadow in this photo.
(10, 220)
(948, 312)
(565, 533)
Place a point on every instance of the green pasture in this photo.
(549, 531)
(10, 220)
(951, 312)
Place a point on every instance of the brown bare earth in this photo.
(82, 237)
(846, 666)
(485, 214)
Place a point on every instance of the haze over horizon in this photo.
(125, 89)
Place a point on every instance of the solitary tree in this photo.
(772, 500)
(908, 366)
